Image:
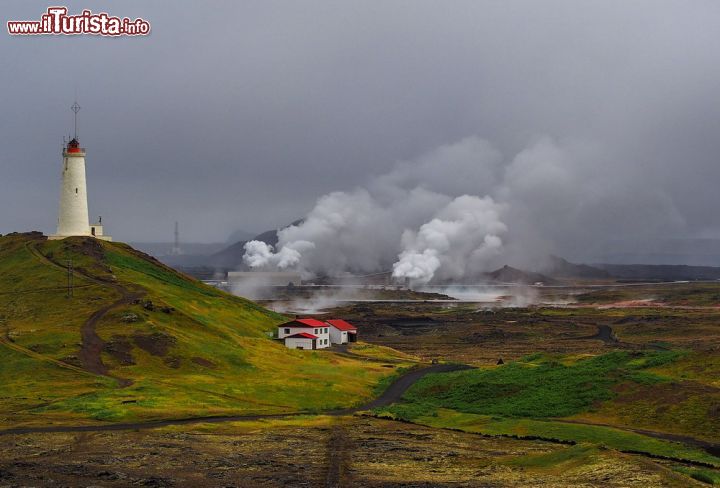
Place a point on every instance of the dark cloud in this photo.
(241, 114)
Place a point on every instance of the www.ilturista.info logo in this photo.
(56, 21)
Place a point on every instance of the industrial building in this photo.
(258, 279)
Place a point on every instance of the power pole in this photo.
(176, 245)
(69, 279)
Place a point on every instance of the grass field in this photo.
(182, 349)
(537, 386)
(536, 395)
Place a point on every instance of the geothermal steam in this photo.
(462, 236)
(462, 209)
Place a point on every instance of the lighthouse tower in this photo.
(73, 215)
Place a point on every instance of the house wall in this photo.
(295, 343)
(323, 338)
(338, 336)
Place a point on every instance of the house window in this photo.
(316, 331)
(287, 331)
(326, 331)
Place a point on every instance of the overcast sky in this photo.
(240, 115)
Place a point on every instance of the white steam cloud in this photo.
(463, 208)
(462, 236)
(260, 255)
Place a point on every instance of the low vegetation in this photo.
(546, 397)
(537, 386)
(171, 346)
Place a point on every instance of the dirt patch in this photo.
(206, 363)
(157, 343)
(338, 456)
(173, 362)
(88, 247)
(120, 349)
(92, 344)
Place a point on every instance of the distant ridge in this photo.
(661, 272)
(508, 274)
(558, 267)
(231, 256)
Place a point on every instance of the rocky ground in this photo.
(477, 335)
(349, 451)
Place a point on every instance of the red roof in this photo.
(304, 323)
(340, 324)
(301, 335)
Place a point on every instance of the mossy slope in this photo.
(183, 349)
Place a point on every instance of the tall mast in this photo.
(75, 108)
(176, 246)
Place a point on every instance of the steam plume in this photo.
(463, 208)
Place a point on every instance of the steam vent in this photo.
(73, 217)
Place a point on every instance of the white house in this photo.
(305, 334)
(342, 332)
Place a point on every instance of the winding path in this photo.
(391, 395)
(92, 345)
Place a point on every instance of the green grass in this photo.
(527, 397)
(536, 386)
(702, 475)
(220, 359)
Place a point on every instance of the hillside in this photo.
(140, 341)
(508, 274)
(558, 267)
(661, 272)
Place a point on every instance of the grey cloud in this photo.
(242, 114)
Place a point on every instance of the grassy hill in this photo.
(629, 401)
(140, 341)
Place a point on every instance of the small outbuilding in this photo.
(342, 332)
(303, 340)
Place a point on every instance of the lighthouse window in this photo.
(75, 190)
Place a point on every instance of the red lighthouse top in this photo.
(74, 146)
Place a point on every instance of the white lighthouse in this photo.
(73, 214)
